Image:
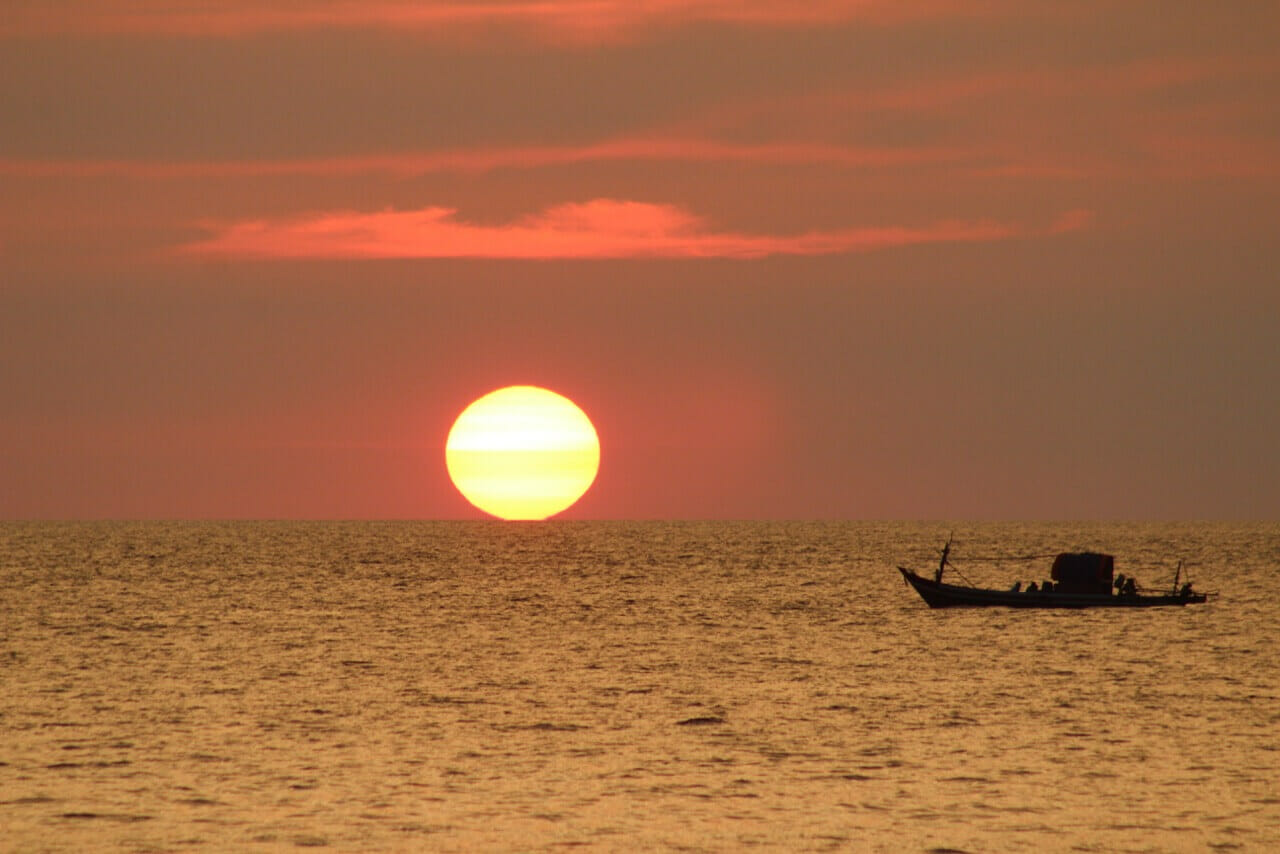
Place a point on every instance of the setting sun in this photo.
(522, 452)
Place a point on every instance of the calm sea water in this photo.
(689, 686)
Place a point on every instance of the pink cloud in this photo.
(1069, 221)
(486, 159)
(585, 20)
(601, 228)
(1127, 82)
(1113, 95)
(1140, 119)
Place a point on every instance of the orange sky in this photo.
(961, 258)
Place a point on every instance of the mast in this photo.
(946, 550)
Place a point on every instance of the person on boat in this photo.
(1033, 587)
(1017, 585)
(1185, 592)
(1129, 588)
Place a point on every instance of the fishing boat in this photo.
(1078, 580)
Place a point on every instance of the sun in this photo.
(522, 452)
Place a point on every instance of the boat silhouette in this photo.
(1077, 580)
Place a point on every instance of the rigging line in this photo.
(961, 574)
(1009, 557)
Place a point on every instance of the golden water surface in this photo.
(613, 686)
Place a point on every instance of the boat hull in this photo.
(939, 595)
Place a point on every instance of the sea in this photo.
(624, 686)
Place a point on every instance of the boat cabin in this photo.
(1083, 572)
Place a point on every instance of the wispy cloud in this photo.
(1175, 140)
(584, 20)
(485, 159)
(1075, 220)
(601, 228)
(1156, 118)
